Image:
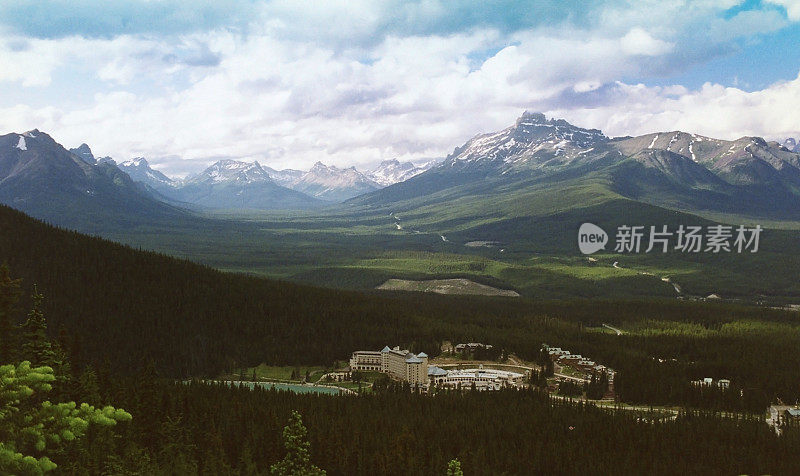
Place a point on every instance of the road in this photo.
(577, 379)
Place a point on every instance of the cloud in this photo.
(792, 7)
(640, 43)
(354, 82)
(713, 110)
(33, 62)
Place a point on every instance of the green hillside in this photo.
(530, 228)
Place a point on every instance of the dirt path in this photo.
(619, 332)
(645, 273)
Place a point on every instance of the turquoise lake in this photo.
(288, 387)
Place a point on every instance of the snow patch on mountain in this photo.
(792, 144)
(135, 162)
(232, 171)
(21, 145)
(532, 136)
(140, 171)
(392, 171)
(285, 177)
(329, 182)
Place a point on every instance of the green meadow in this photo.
(527, 242)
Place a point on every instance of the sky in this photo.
(352, 82)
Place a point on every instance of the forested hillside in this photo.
(136, 306)
(131, 307)
(204, 429)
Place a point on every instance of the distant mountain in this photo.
(533, 146)
(393, 171)
(253, 180)
(678, 170)
(230, 184)
(41, 178)
(85, 153)
(791, 145)
(285, 177)
(231, 171)
(140, 171)
(533, 141)
(333, 184)
(763, 170)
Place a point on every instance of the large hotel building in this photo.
(400, 364)
(414, 369)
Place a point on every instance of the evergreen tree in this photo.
(10, 291)
(298, 458)
(247, 466)
(65, 386)
(89, 387)
(29, 432)
(214, 459)
(36, 347)
(454, 468)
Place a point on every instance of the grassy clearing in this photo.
(282, 373)
(446, 286)
(356, 249)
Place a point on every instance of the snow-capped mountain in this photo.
(533, 140)
(140, 171)
(393, 171)
(684, 170)
(792, 145)
(334, 184)
(231, 171)
(69, 188)
(285, 177)
(231, 184)
(744, 161)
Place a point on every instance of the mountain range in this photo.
(493, 176)
(678, 170)
(231, 189)
(230, 184)
(43, 179)
(792, 145)
(331, 183)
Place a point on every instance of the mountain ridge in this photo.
(331, 183)
(690, 172)
(232, 184)
(45, 180)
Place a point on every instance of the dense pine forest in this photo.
(191, 427)
(126, 308)
(186, 429)
(102, 324)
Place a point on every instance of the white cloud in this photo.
(713, 110)
(30, 62)
(291, 90)
(792, 7)
(639, 42)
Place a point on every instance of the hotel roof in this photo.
(435, 371)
